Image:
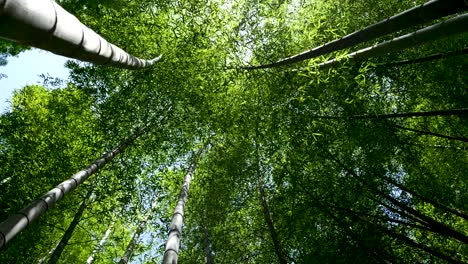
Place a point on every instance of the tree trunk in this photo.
(46, 25)
(455, 112)
(141, 227)
(68, 234)
(18, 222)
(274, 236)
(417, 15)
(101, 244)
(171, 253)
(449, 27)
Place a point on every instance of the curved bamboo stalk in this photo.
(444, 29)
(46, 25)
(18, 222)
(417, 15)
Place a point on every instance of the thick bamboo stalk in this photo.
(18, 222)
(449, 27)
(171, 254)
(420, 14)
(46, 25)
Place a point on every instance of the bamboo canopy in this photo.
(46, 25)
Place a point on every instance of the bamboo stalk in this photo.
(103, 240)
(171, 254)
(454, 112)
(449, 27)
(417, 15)
(18, 222)
(46, 25)
(141, 227)
(428, 58)
(55, 256)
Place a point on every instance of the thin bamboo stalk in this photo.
(422, 132)
(454, 112)
(141, 227)
(103, 240)
(428, 58)
(55, 256)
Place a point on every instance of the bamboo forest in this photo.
(268, 131)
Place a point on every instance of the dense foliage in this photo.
(298, 164)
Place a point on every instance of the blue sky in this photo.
(26, 68)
